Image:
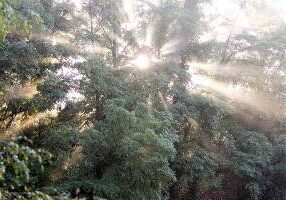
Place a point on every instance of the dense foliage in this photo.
(123, 99)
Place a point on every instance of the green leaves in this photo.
(21, 168)
(126, 142)
(135, 134)
(11, 20)
(8, 20)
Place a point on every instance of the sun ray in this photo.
(31, 121)
(230, 71)
(238, 94)
(170, 47)
(163, 101)
(27, 91)
(149, 35)
(68, 162)
(128, 6)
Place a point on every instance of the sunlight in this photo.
(61, 38)
(92, 49)
(142, 62)
(197, 66)
(227, 16)
(68, 162)
(163, 101)
(74, 96)
(229, 71)
(208, 75)
(170, 47)
(238, 94)
(77, 3)
(73, 74)
(15, 130)
(149, 36)
(200, 80)
(129, 8)
(27, 91)
(69, 72)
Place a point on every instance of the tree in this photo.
(22, 171)
(133, 104)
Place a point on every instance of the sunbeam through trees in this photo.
(142, 99)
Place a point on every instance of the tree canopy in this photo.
(140, 99)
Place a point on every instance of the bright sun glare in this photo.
(142, 61)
